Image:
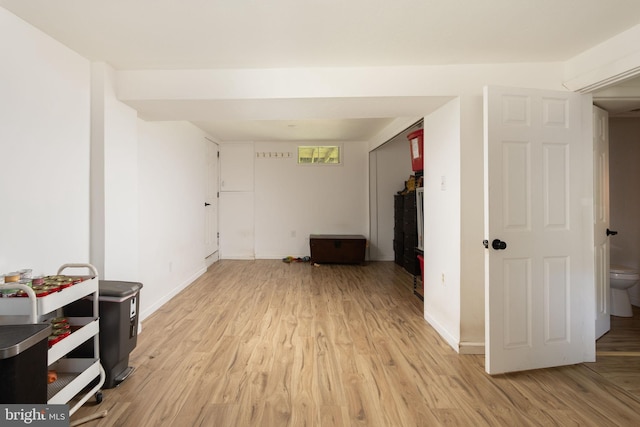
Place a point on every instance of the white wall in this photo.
(624, 174)
(293, 201)
(140, 86)
(442, 217)
(172, 171)
(237, 210)
(114, 180)
(44, 147)
(45, 131)
(610, 61)
(472, 225)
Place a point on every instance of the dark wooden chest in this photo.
(337, 248)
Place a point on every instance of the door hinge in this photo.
(218, 194)
(218, 234)
(217, 154)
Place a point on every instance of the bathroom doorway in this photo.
(622, 102)
(618, 351)
(624, 159)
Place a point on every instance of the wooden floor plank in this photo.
(266, 343)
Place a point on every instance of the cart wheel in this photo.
(99, 397)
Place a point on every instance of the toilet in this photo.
(621, 279)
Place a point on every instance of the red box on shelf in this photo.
(416, 142)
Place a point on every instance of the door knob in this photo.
(611, 232)
(498, 244)
(207, 204)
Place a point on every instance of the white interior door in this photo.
(538, 223)
(211, 199)
(601, 217)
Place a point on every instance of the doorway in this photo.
(389, 169)
(624, 202)
(618, 351)
(212, 188)
(622, 102)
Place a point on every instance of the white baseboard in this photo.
(162, 301)
(450, 339)
(240, 257)
(212, 259)
(471, 348)
(271, 256)
(461, 347)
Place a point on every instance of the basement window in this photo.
(319, 154)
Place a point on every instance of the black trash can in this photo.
(23, 363)
(119, 304)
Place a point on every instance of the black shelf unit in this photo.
(405, 232)
(398, 229)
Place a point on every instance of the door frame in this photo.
(215, 256)
(601, 77)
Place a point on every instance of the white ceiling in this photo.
(191, 34)
(135, 34)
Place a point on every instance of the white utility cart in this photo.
(74, 374)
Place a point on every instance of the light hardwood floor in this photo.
(264, 343)
(618, 353)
